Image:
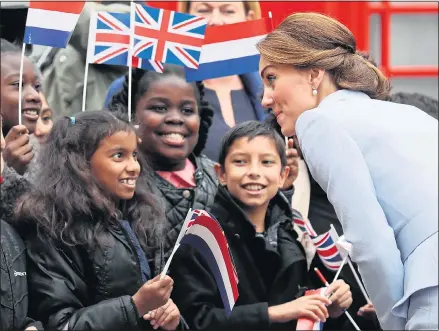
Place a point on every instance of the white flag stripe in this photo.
(209, 238)
(229, 49)
(53, 20)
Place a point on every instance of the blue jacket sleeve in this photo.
(337, 164)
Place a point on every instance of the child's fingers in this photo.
(159, 313)
(319, 309)
(168, 312)
(172, 320)
(309, 315)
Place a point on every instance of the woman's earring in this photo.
(314, 91)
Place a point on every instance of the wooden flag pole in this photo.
(20, 85)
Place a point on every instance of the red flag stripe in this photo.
(214, 227)
(228, 32)
(74, 7)
(112, 38)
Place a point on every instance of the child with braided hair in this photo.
(173, 122)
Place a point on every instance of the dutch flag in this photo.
(51, 23)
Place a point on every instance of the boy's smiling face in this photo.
(252, 171)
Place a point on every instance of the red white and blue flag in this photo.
(207, 237)
(168, 36)
(230, 50)
(327, 250)
(305, 226)
(51, 23)
(109, 42)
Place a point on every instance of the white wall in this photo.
(413, 41)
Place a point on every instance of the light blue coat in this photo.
(378, 163)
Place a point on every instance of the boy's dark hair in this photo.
(423, 102)
(68, 202)
(251, 130)
(141, 80)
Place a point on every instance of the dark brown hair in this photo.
(312, 40)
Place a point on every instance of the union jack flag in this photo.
(168, 36)
(328, 251)
(304, 225)
(109, 41)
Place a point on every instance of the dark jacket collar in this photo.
(234, 220)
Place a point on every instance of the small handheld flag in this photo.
(168, 36)
(203, 232)
(229, 50)
(51, 23)
(207, 237)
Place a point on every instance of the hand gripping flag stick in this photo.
(325, 282)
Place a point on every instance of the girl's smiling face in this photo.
(169, 122)
(9, 91)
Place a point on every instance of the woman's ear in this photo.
(220, 174)
(316, 77)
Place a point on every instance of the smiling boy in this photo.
(257, 221)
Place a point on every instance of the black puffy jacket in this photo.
(87, 289)
(13, 293)
(178, 200)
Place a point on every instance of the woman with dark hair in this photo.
(93, 231)
(379, 173)
(173, 123)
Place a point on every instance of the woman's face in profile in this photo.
(221, 12)
(288, 91)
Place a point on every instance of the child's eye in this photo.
(135, 155)
(187, 111)
(158, 109)
(118, 156)
(37, 87)
(47, 118)
(238, 161)
(229, 11)
(268, 162)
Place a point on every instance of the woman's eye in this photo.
(271, 79)
(47, 118)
